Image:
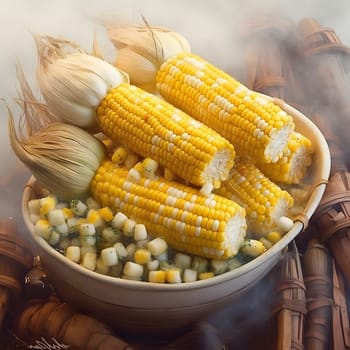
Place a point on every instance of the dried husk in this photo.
(62, 157)
(317, 269)
(35, 115)
(72, 82)
(141, 50)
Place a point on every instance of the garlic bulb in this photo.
(141, 49)
(74, 83)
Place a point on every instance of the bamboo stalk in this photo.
(327, 63)
(327, 60)
(340, 316)
(332, 219)
(55, 323)
(291, 304)
(317, 270)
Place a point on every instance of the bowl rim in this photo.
(299, 225)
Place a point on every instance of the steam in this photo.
(212, 27)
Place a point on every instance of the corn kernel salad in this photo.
(112, 244)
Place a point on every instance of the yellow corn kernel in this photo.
(253, 248)
(157, 276)
(47, 204)
(173, 276)
(150, 167)
(169, 175)
(142, 256)
(43, 228)
(94, 217)
(119, 155)
(153, 128)
(256, 126)
(109, 144)
(68, 213)
(106, 214)
(131, 160)
(205, 275)
(89, 260)
(296, 159)
(264, 201)
(73, 253)
(274, 236)
(133, 174)
(138, 167)
(129, 227)
(213, 227)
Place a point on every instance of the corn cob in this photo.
(153, 128)
(292, 167)
(257, 127)
(208, 226)
(264, 201)
(212, 226)
(89, 92)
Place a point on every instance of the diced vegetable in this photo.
(142, 256)
(89, 261)
(133, 270)
(79, 208)
(109, 256)
(110, 252)
(253, 248)
(73, 253)
(173, 276)
(156, 276)
(157, 246)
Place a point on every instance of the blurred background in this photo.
(212, 27)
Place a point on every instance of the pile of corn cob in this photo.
(164, 176)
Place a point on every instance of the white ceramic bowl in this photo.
(149, 308)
